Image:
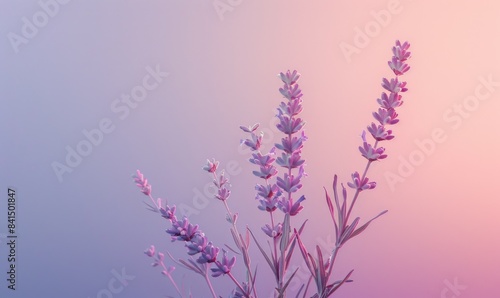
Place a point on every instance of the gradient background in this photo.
(443, 222)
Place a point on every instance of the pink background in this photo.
(442, 226)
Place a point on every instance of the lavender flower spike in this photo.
(223, 267)
(142, 183)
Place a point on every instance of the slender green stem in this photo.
(238, 285)
(153, 200)
(275, 239)
(332, 261)
(171, 279)
(357, 190)
(284, 249)
(209, 283)
(242, 246)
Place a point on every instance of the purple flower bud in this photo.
(209, 254)
(168, 212)
(142, 183)
(211, 166)
(273, 233)
(371, 153)
(223, 267)
(291, 92)
(289, 183)
(263, 159)
(150, 251)
(288, 206)
(182, 230)
(290, 146)
(290, 161)
(266, 172)
(268, 204)
(222, 194)
(390, 102)
(267, 191)
(221, 181)
(360, 184)
(386, 116)
(400, 51)
(379, 133)
(250, 128)
(289, 78)
(254, 143)
(289, 125)
(394, 86)
(398, 66)
(197, 244)
(292, 108)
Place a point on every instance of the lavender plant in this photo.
(277, 195)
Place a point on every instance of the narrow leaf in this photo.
(151, 207)
(290, 279)
(307, 286)
(236, 239)
(285, 236)
(263, 252)
(332, 211)
(232, 249)
(363, 227)
(348, 231)
(299, 291)
(321, 267)
(292, 246)
(333, 289)
(305, 254)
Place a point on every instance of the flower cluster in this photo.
(279, 194)
(268, 194)
(386, 114)
(220, 181)
(142, 183)
(291, 145)
(158, 260)
(223, 193)
(182, 230)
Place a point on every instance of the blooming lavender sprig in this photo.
(158, 260)
(386, 115)
(142, 183)
(242, 243)
(195, 240)
(291, 158)
(291, 146)
(340, 210)
(268, 193)
(278, 194)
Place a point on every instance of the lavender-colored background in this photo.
(81, 229)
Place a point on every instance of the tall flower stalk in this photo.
(279, 193)
(194, 239)
(341, 210)
(242, 243)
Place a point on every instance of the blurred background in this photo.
(92, 91)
